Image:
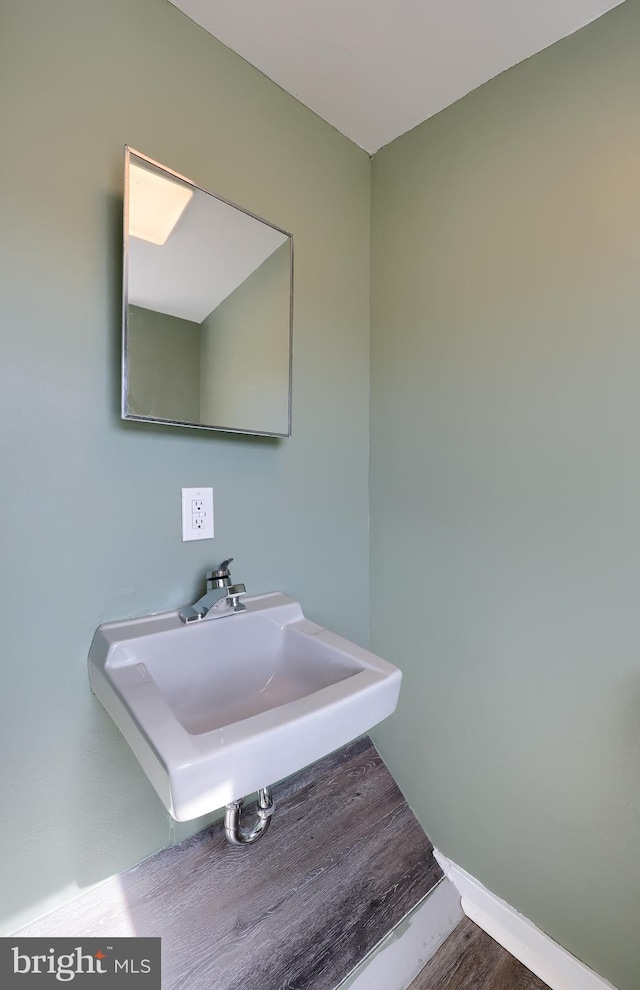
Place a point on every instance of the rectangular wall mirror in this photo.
(207, 308)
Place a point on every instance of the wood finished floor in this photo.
(471, 960)
(343, 862)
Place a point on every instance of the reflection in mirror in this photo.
(207, 308)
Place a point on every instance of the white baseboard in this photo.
(395, 963)
(535, 950)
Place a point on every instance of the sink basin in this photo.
(214, 710)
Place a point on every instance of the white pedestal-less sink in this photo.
(216, 709)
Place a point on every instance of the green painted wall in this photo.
(163, 358)
(245, 348)
(505, 492)
(90, 527)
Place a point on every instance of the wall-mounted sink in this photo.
(216, 709)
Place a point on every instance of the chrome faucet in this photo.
(220, 599)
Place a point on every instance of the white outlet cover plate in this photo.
(197, 514)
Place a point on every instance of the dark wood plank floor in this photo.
(471, 960)
(343, 862)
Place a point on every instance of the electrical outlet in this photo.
(197, 514)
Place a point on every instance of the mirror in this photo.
(207, 308)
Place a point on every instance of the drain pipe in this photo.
(239, 836)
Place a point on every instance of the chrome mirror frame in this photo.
(126, 412)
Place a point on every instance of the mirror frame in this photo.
(125, 413)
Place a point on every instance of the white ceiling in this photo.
(376, 68)
(212, 250)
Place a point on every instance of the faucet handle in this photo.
(220, 577)
(222, 570)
